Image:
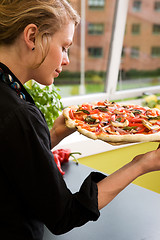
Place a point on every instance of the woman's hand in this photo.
(149, 161)
(111, 186)
(59, 131)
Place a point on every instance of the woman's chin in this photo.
(46, 82)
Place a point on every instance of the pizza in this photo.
(115, 123)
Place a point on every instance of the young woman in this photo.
(34, 38)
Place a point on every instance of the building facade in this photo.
(141, 49)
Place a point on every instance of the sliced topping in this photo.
(148, 125)
(111, 131)
(104, 123)
(109, 104)
(113, 118)
(82, 110)
(153, 117)
(151, 113)
(132, 115)
(71, 113)
(119, 111)
(135, 119)
(153, 121)
(136, 111)
(91, 120)
(141, 129)
(129, 128)
(102, 108)
(143, 116)
(119, 119)
(120, 124)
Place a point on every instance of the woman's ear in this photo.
(30, 33)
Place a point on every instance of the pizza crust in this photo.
(121, 139)
(111, 139)
(69, 122)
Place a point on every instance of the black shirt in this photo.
(32, 191)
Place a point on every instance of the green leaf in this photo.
(48, 101)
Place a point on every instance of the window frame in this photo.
(116, 47)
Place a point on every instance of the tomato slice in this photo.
(101, 103)
(141, 130)
(95, 111)
(135, 125)
(87, 107)
(134, 119)
(79, 116)
(71, 114)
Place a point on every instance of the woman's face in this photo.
(57, 56)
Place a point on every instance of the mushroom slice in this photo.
(150, 126)
(119, 112)
(152, 121)
(120, 124)
(110, 131)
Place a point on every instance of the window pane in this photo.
(136, 6)
(134, 52)
(156, 28)
(135, 28)
(96, 3)
(95, 28)
(155, 52)
(140, 63)
(157, 6)
(95, 52)
(98, 32)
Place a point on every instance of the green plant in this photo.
(47, 100)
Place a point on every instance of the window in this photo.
(139, 67)
(156, 29)
(155, 51)
(95, 52)
(115, 64)
(136, 29)
(96, 4)
(89, 53)
(95, 28)
(137, 6)
(135, 52)
(157, 6)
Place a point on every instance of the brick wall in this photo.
(145, 40)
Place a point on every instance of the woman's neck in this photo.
(11, 57)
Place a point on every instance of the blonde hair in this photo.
(48, 15)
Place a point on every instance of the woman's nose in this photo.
(65, 60)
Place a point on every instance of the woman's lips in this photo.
(58, 71)
(56, 74)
